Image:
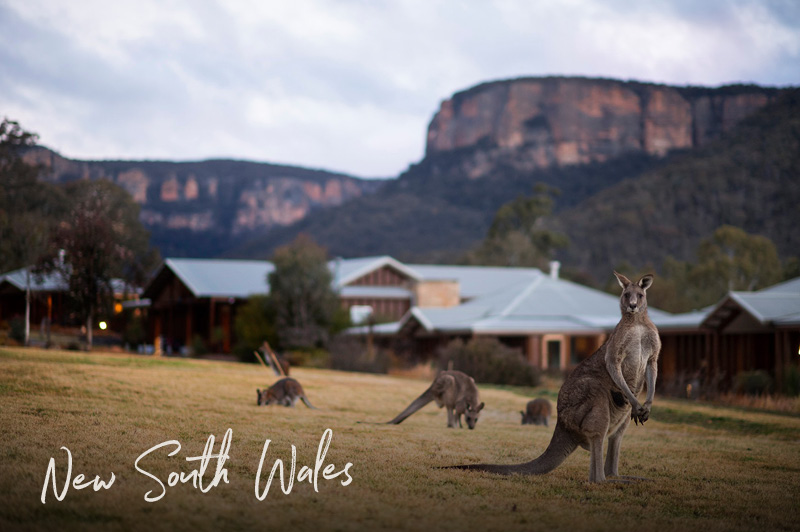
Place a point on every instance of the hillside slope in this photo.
(750, 179)
(490, 143)
(202, 208)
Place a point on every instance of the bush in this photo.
(310, 358)
(17, 329)
(487, 360)
(753, 383)
(254, 324)
(199, 346)
(791, 381)
(349, 354)
(134, 334)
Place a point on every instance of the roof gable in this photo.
(215, 277)
(346, 271)
(51, 282)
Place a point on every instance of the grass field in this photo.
(711, 468)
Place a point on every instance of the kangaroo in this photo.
(454, 390)
(537, 412)
(598, 399)
(284, 392)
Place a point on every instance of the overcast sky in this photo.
(337, 84)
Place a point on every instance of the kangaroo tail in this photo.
(561, 446)
(307, 402)
(419, 402)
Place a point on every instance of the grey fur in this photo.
(598, 399)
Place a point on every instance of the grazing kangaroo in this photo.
(537, 412)
(284, 392)
(454, 390)
(598, 399)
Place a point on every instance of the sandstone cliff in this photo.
(210, 203)
(535, 123)
(494, 142)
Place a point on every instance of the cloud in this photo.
(345, 85)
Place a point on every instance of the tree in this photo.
(28, 207)
(515, 237)
(101, 239)
(255, 323)
(732, 259)
(301, 295)
(728, 260)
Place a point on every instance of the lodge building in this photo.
(419, 308)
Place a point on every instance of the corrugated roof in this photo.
(538, 304)
(381, 292)
(778, 304)
(792, 286)
(687, 320)
(243, 278)
(222, 278)
(51, 282)
(476, 281)
(768, 306)
(348, 270)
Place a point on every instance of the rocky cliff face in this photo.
(219, 199)
(536, 123)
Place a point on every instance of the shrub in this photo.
(349, 354)
(791, 381)
(488, 360)
(310, 358)
(17, 329)
(134, 334)
(199, 346)
(753, 383)
(254, 324)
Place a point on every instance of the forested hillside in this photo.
(203, 208)
(750, 179)
(443, 206)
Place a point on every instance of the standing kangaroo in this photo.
(284, 392)
(598, 399)
(454, 390)
(537, 412)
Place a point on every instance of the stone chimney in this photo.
(437, 293)
(554, 267)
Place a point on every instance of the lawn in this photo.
(710, 468)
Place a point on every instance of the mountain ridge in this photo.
(443, 204)
(201, 208)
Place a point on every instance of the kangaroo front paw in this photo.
(640, 413)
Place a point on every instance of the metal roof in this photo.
(54, 282)
(778, 305)
(51, 282)
(687, 320)
(243, 278)
(476, 281)
(222, 278)
(379, 292)
(348, 270)
(538, 304)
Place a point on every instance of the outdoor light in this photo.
(102, 325)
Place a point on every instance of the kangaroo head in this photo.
(259, 391)
(524, 418)
(634, 295)
(472, 414)
(265, 397)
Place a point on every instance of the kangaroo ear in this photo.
(480, 407)
(646, 281)
(623, 281)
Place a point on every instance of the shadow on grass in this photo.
(726, 423)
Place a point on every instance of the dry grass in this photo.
(712, 468)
